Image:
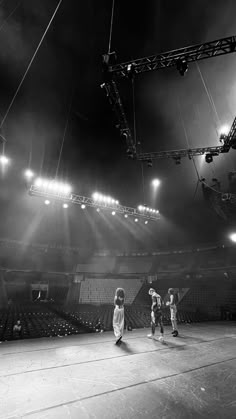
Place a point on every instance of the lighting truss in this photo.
(157, 62)
(90, 202)
(228, 141)
(170, 58)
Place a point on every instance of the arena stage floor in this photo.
(88, 376)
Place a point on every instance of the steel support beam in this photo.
(79, 200)
(170, 59)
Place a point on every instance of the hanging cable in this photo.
(143, 184)
(212, 103)
(64, 135)
(30, 63)
(134, 112)
(111, 26)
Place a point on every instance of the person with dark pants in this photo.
(173, 310)
(156, 315)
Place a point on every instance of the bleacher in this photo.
(102, 290)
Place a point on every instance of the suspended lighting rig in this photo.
(179, 58)
(99, 202)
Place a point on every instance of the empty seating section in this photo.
(102, 291)
(126, 265)
(37, 320)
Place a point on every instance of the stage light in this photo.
(4, 160)
(113, 213)
(29, 174)
(136, 220)
(224, 130)
(146, 222)
(233, 237)
(65, 205)
(38, 182)
(47, 202)
(182, 66)
(126, 215)
(83, 206)
(208, 158)
(156, 183)
(95, 196)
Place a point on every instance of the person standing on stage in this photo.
(118, 316)
(156, 314)
(173, 310)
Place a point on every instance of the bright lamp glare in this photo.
(224, 130)
(136, 220)
(140, 207)
(233, 237)
(95, 196)
(38, 182)
(4, 160)
(29, 174)
(146, 222)
(113, 213)
(47, 202)
(126, 215)
(156, 183)
(83, 206)
(65, 205)
(98, 209)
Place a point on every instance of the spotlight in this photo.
(209, 158)
(182, 66)
(65, 205)
(146, 222)
(113, 213)
(224, 130)
(156, 183)
(29, 174)
(136, 220)
(4, 160)
(38, 182)
(233, 237)
(95, 196)
(83, 206)
(46, 202)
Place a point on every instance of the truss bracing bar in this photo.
(78, 199)
(170, 58)
(116, 103)
(228, 140)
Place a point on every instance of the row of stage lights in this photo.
(83, 206)
(144, 208)
(49, 188)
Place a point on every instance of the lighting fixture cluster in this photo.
(145, 209)
(53, 187)
(102, 199)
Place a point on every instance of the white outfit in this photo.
(118, 321)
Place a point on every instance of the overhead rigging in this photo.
(180, 59)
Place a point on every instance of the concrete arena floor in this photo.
(88, 376)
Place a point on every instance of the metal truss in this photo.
(228, 141)
(170, 58)
(117, 106)
(79, 200)
(174, 58)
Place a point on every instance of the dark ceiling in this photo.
(171, 112)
